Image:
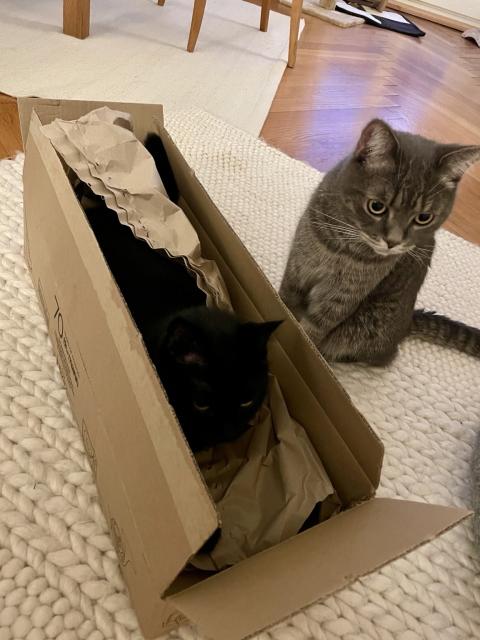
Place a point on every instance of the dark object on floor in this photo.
(472, 34)
(403, 25)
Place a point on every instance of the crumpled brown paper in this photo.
(116, 166)
(267, 483)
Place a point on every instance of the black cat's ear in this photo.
(258, 333)
(455, 159)
(377, 143)
(184, 343)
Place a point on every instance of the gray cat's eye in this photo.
(244, 405)
(376, 207)
(201, 407)
(423, 218)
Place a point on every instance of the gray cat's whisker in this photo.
(437, 184)
(324, 223)
(330, 224)
(335, 228)
(417, 259)
(425, 253)
(430, 196)
(339, 238)
(341, 222)
(345, 236)
(424, 250)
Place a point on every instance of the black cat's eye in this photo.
(246, 404)
(423, 218)
(201, 407)
(376, 207)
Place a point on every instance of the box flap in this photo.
(48, 109)
(153, 495)
(350, 450)
(231, 605)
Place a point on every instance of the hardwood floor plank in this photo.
(10, 138)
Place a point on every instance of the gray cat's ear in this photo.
(455, 159)
(377, 143)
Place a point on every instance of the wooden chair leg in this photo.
(197, 17)
(295, 14)
(76, 18)
(266, 4)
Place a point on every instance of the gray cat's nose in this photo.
(392, 243)
(394, 236)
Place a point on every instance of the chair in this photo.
(296, 11)
(76, 21)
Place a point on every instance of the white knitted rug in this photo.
(136, 52)
(58, 571)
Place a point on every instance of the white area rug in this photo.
(58, 572)
(136, 53)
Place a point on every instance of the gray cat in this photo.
(363, 247)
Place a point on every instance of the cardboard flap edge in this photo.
(72, 109)
(328, 557)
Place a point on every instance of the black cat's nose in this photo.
(392, 243)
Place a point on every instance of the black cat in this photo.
(213, 366)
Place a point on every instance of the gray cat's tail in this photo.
(441, 330)
(475, 490)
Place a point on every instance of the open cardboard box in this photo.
(152, 494)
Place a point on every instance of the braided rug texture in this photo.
(58, 571)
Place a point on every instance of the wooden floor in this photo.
(344, 77)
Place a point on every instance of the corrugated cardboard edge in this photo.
(245, 613)
(353, 579)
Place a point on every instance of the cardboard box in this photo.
(151, 492)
